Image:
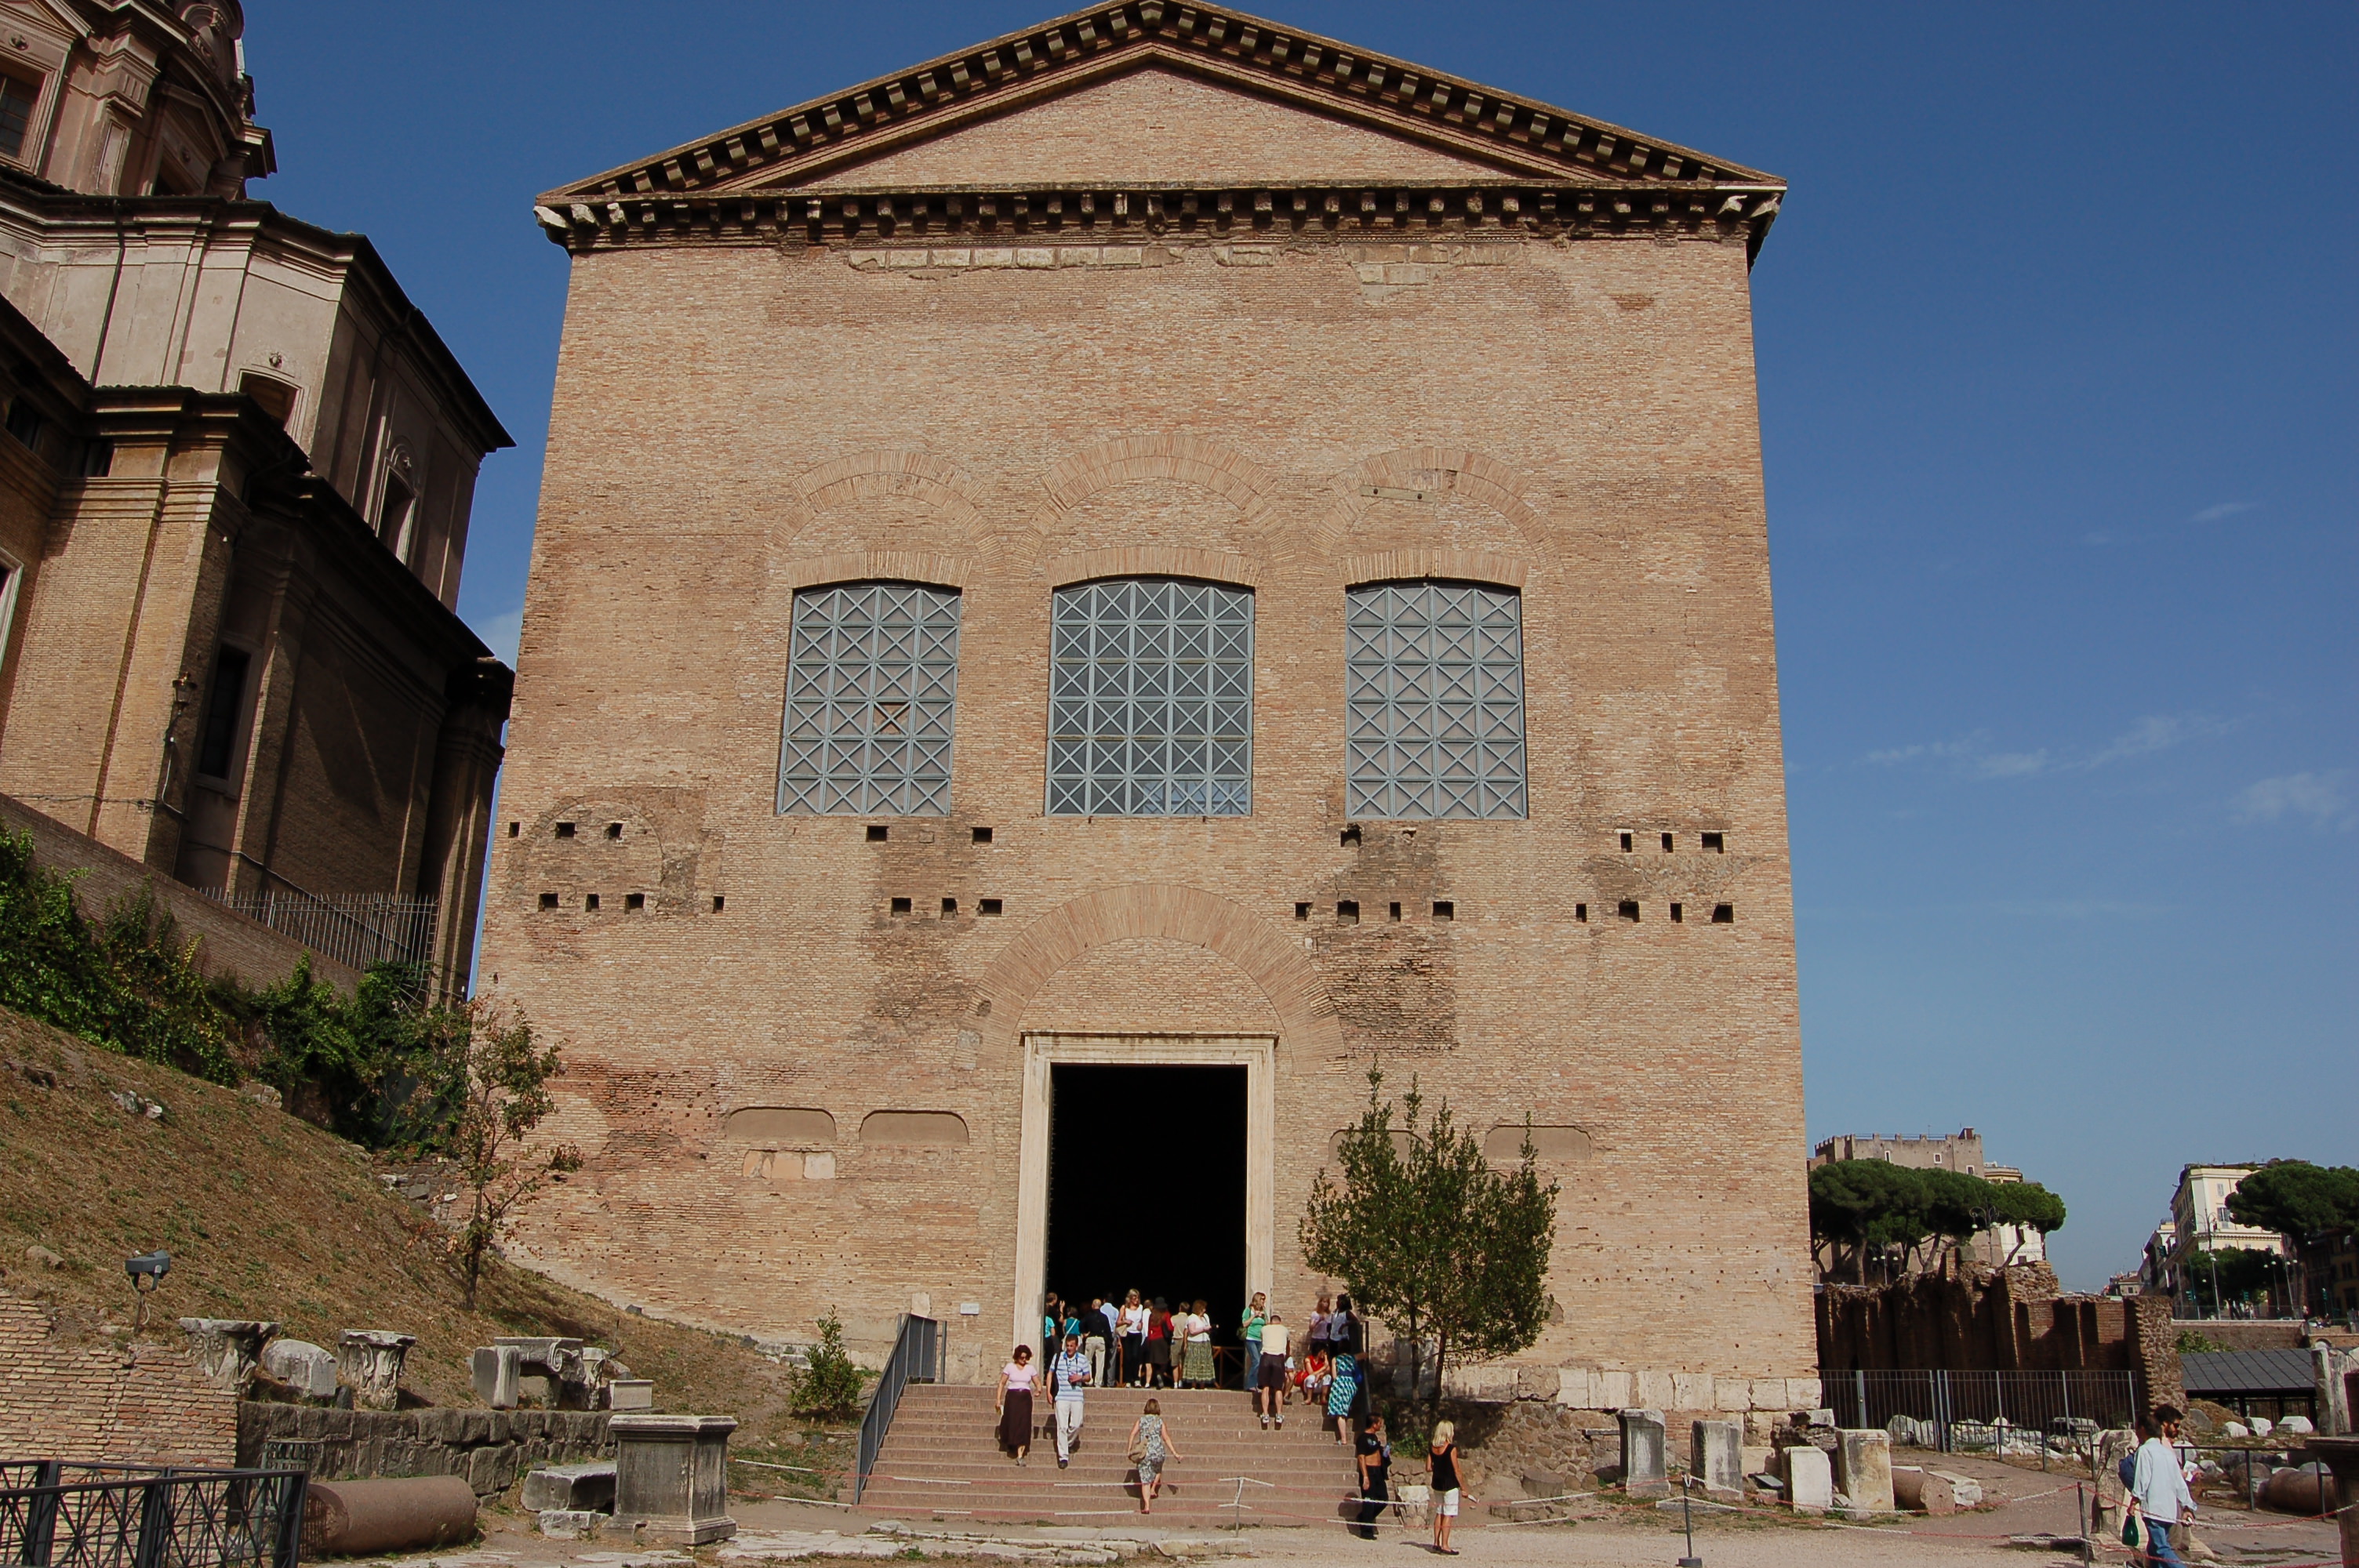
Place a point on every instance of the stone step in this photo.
(942, 1458)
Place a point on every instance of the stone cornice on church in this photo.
(736, 179)
(1078, 216)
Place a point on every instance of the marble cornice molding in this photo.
(1134, 214)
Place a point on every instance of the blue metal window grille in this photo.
(1151, 699)
(1434, 672)
(872, 689)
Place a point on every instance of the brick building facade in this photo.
(234, 490)
(1156, 540)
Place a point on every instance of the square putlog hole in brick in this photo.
(989, 908)
(720, 902)
(878, 833)
(1350, 838)
(515, 828)
(1347, 912)
(1302, 911)
(1393, 911)
(634, 902)
(565, 830)
(901, 906)
(590, 902)
(1666, 843)
(1627, 909)
(1679, 913)
(549, 901)
(1626, 840)
(983, 835)
(949, 907)
(1444, 909)
(613, 830)
(1580, 912)
(1723, 914)
(1715, 843)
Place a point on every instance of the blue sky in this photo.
(2060, 396)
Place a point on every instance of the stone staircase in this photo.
(941, 1460)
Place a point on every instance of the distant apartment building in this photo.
(2199, 1223)
(1961, 1152)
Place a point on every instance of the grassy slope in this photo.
(267, 1217)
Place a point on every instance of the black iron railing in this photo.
(2021, 1412)
(61, 1515)
(917, 1358)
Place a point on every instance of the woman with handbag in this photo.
(1150, 1445)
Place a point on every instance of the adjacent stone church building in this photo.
(1089, 590)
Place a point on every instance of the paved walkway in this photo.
(1607, 1533)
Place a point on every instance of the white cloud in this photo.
(2319, 796)
(2011, 765)
(2225, 509)
(1973, 753)
(2155, 733)
(500, 632)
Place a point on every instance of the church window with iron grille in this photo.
(872, 686)
(1434, 674)
(1151, 699)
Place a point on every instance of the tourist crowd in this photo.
(1149, 1345)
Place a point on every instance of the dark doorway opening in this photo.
(1147, 1185)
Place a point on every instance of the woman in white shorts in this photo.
(1445, 1486)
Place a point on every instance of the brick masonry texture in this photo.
(1575, 419)
(61, 1400)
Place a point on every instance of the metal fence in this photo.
(358, 929)
(56, 1514)
(917, 1358)
(2006, 1413)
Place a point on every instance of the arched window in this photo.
(1434, 674)
(871, 687)
(1151, 699)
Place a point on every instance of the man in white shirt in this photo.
(2158, 1488)
(1068, 1374)
(1271, 1388)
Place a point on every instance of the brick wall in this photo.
(63, 1400)
(1295, 413)
(1998, 1319)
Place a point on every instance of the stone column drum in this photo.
(370, 1360)
(671, 1478)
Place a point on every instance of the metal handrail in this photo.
(916, 1358)
(152, 1517)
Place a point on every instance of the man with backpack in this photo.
(2158, 1498)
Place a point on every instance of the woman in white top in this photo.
(1013, 1402)
(1196, 1367)
(1135, 1315)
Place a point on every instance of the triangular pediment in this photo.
(1153, 125)
(1151, 91)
